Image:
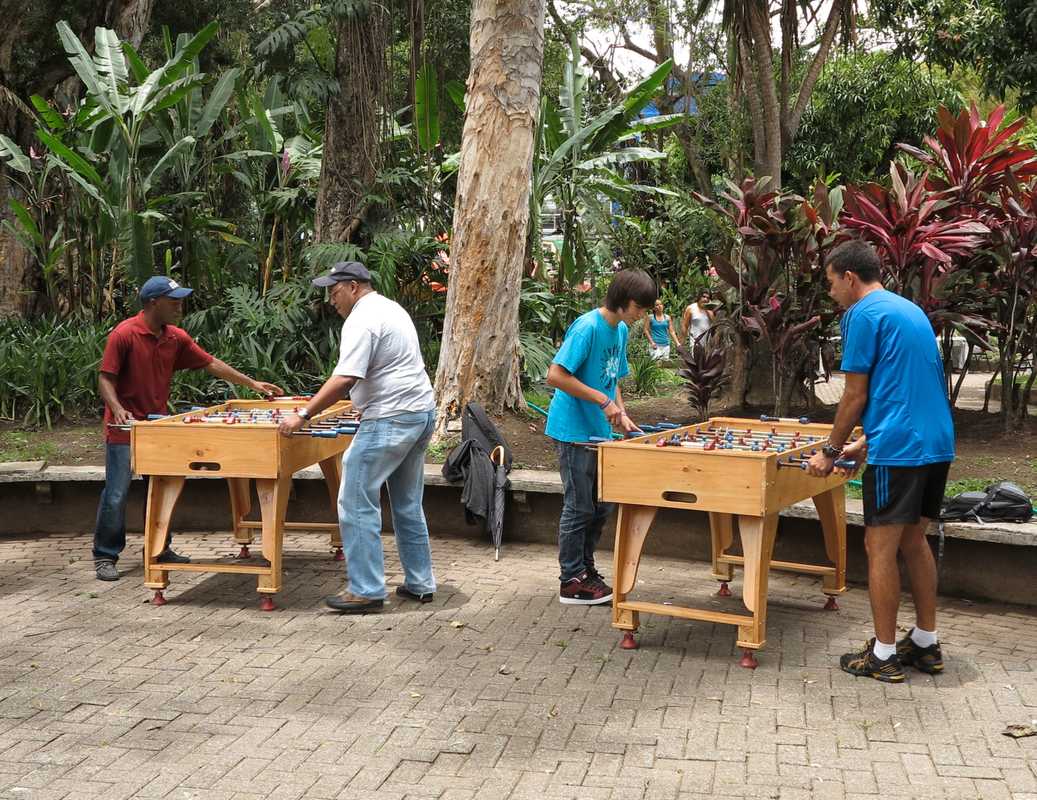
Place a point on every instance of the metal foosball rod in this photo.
(800, 420)
(801, 463)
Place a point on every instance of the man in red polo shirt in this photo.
(140, 357)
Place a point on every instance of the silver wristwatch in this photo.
(302, 412)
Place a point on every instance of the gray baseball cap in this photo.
(343, 271)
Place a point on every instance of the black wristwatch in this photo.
(828, 451)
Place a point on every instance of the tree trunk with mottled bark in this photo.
(480, 356)
(352, 139)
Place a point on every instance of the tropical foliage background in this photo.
(177, 139)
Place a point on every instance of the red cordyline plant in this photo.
(774, 268)
(971, 159)
(975, 166)
(703, 364)
(920, 242)
(1012, 292)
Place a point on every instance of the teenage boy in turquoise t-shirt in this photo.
(586, 373)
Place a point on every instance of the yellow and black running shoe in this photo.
(924, 659)
(866, 663)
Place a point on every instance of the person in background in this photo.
(697, 318)
(659, 331)
(140, 357)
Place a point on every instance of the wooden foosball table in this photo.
(239, 441)
(734, 469)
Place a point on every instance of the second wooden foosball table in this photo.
(741, 472)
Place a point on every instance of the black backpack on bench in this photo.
(1001, 502)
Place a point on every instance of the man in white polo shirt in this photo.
(381, 368)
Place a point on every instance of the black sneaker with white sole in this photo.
(924, 659)
(584, 590)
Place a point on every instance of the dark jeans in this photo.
(583, 517)
(110, 532)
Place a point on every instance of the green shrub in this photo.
(50, 368)
(646, 374)
(50, 365)
(283, 337)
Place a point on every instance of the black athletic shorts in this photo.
(903, 495)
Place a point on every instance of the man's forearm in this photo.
(333, 390)
(106, 388)
(619, 399)
(222, 369)
(559, 378)
(846, 418)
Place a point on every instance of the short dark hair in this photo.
(858, 257)
(631, 284)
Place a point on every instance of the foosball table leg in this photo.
(723, 591)
(244, 552)
(159, 599)
(628, 642)
(831, 604)
(266, 603)
(748, 660)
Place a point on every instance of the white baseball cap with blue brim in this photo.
(161, 286)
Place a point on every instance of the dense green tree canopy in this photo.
(864, 104)
(997, 38)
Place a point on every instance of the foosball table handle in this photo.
(769, 418)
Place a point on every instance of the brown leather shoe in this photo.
(349, 603)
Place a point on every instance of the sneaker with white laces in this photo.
(584, 590)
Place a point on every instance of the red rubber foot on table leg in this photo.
(266, 603)
(339, 555)
(159, 599)
(723, 591)
(748, 660)
(831, 605)
(629, 642)
(244, 552)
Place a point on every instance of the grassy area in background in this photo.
(21, 446)
(953, 487)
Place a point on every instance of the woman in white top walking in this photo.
(697, 318)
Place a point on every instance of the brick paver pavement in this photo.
(492, 691)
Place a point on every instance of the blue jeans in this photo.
(110, 531)
(583, 517)
(388, 451)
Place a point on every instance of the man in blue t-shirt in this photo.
(586, 373)
(895, 387)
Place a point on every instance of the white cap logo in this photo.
(173, 284)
